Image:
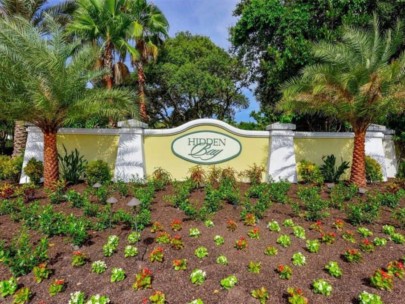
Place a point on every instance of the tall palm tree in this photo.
(103, 22)
(41, 82)
(149, 29)
(33, 11)
(356, 81)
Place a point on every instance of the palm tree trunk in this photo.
(141, 91)
(20, 138)
(51, 166)
(358, 170)
(108, 64)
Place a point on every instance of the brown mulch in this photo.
(176, 284)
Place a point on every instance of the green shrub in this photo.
(254, 174)
(390, 199)
(399, 215)
(97, 171)
(72, 166)
(34, 170)
(342, 193)
(401, 169)
(330, 172)
(10, 168)
(373, 170)
(315, 206)
(278, 191)
(308, 172)
(363, 212)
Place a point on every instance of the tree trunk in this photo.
(141, 92)
(108, 64)
(20, 138)
(358, 170)
(51, 166)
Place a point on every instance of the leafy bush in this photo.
(10, 168)
(197, 175)
(97, 171)
(34, 170)
(314, 205)
(21, 256)
(308, 172)
(399, 215)
(330, 172)
(363, 212)
(161, 178)
(278, 191)
(72, 166)
(254, 174)
(373, 170)
(401, 169)
(342, 193)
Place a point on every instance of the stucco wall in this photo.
(91, 146)
(158, 152)
(313, 149)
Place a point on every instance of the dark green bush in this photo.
(342, 193)
(373, 170)
(97, 171)
(363, 212)
(75, 199)
(315, 207)
(390, 199)
(10, 168)
(34, 170)
(330, 171)
(278, 191)
(401, 169)
(72, 166)
(399, 215)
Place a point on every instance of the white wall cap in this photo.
(281, 126)
(376, 128)
(132, 123)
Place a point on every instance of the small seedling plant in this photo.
(322, 287)
(398, 238)
(364, 232)
(254, 233)
(209, 223)
(339, 224)
(57, 286)
(352, 256)
(380, 242)
(111, 246)
(241, 244)
(117, 275)
(8, 287)
(78, 259)
(98, 267)
(288, 223)
(328, 238)
(180, 264)
(260, 294)
(158, 297)
(143, 279)
(369, 298)
(41, 272)
(133, 238)
(163, 238)
(222, 260)
(348, 236)
(333, 269)
(298, 259)
(201, 252)
(382, 280)
(98, 299)
(313, 246)
(229, 282)
(299, 232)
(219, 240)
(176, 225)
(194, 232)
(273, 226)
(77, 297)
(388, 229)
(284, 271)
(284, 240)
(177, 243)
(366, 245)
(296, 296)
(156, 255)
(130, 251)
(22, 296)
(156, 227)
(271, 251)
(198, 276)
(250, 219)
(231, 225)
(254, 267)
(396, 268)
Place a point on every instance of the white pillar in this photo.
(391, 162)
(33, 149)
(374, 146)
(281, 161)
(130, 162)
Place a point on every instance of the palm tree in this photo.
(356, 81)
(41, 82)
(33, 11)
(149, 29)
(103, 22)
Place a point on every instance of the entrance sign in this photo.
(206, 147)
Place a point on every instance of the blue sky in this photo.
(211, 18)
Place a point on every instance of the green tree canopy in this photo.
(355, 80)
(193, 78)
(43, 80)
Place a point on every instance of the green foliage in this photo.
(98, 267)
(313, 246)
(330, 171)
(97, 171)
(8, 287)
(117, 275)
(333, 269)
(401, 169)
(10, 168)
(22, 296)
(72, 166)
(21, 256)
(390, 200)
(196, 79)
(373, 170)
(369, 298)
(341, 193)
(278, 191)
(254, 174)
(322, 287)
(399, 215)
(363, 212)
(229, 282)
(75, 198)
(315, 206)
(308, 172)
(34, 170)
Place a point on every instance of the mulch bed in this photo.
(176, 284)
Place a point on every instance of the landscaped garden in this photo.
(208, 239)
